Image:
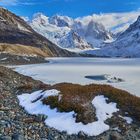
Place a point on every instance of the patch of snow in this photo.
(117, 129)
(129, 120)
(104, 110)
(2, 19)
(59, 97)
(3, 59)
(66, 121)
(22, 27)
(26, 58)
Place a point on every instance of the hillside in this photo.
(14, 30)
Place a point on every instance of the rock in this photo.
(17, 137)
(115, 80)
(5, 138)
(81, 134)
(28, 120)
(40, 118)
(115, 136)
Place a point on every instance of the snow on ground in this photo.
(3, 59)
(103, 110)
(65, 121)
(129, 120)
(74, 70)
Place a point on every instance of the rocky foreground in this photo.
(17, 124)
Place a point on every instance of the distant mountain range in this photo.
(69, 33)
(90, 37)
(17, 37)
(126, 45)
(63, 36)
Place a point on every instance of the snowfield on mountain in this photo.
(126, 45)
(69, 33)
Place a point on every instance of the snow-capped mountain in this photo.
(57, 29)
(70, 33)
(115, 22)
(61, 21)
(93, 32)
(126, 45)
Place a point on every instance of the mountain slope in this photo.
(70, 33)
(57, 30)
(126, 45)
(93, 32)
(14, 30)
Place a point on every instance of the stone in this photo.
(81, 134)
(115, 136)
(40, 118)
(5, 138)
(17, 137)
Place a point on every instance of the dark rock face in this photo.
(60, 21)
(98, 30)
(14, 30)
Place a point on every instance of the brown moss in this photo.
(29, 86)
(74, 97)
(25, 87)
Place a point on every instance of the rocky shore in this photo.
(17, 124)
(8, 59)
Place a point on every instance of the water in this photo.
(74, 70)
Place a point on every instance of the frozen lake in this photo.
(74, 70)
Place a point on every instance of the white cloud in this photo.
(8, 2)
(113, 21)
(25, 18)
(16, 2)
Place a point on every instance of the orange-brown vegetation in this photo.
(18, 49)
(74, 97)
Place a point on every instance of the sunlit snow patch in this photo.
(129, 120)
(65, 121)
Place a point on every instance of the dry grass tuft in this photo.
(75, 97)
(18, 49)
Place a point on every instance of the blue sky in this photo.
(72, 8)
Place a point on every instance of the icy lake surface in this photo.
(74, 70)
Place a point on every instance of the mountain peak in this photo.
(40, 18)
(39, 15)
(60, 28)
(61, 21)
(138, 18)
